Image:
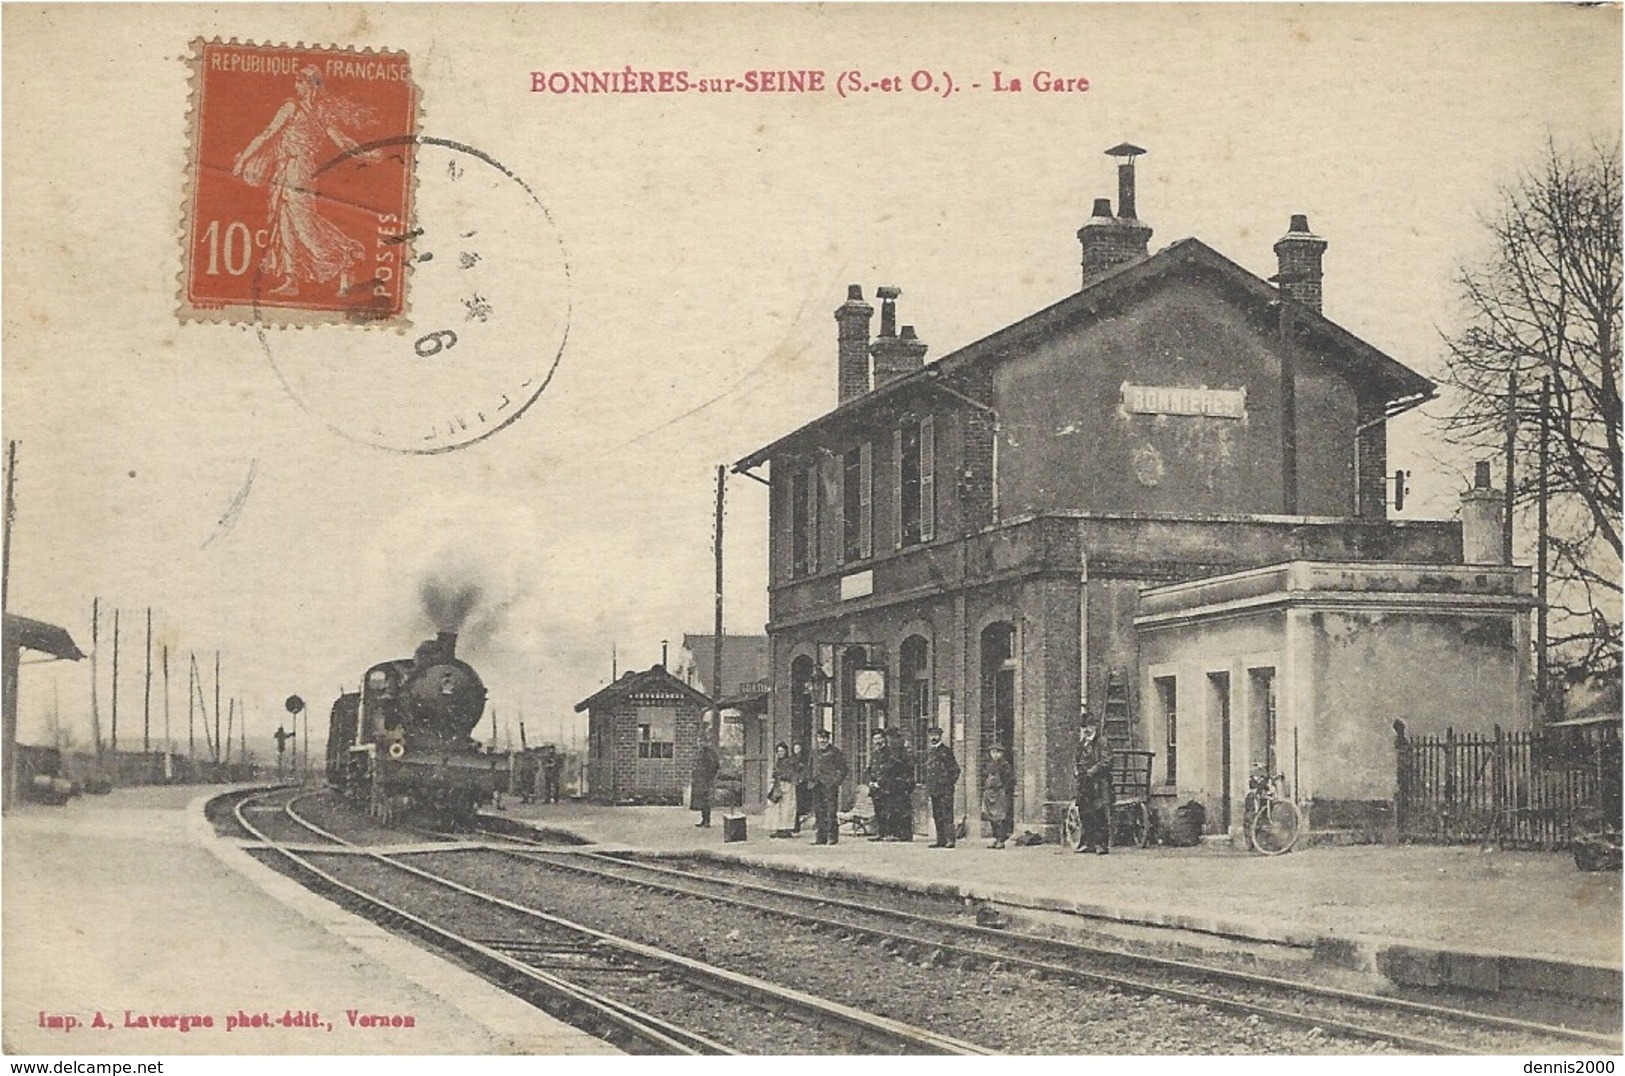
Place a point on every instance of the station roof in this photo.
(32, 634)
(1362, 360)
(654, 680)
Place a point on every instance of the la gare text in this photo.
(845, 83)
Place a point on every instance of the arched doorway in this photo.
(999, 688)
(803, 703)
(914, 696)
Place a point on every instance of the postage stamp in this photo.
(300, 185)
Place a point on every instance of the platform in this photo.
(1416, 915)
(128, 903)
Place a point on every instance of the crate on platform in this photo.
(733, 827)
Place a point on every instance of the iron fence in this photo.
(1524, 789)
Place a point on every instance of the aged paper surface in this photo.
(634, 223)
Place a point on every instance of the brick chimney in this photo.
(852, 345)
(1109, 240)
(895, 356)
(1481, 540)
(1298, 255)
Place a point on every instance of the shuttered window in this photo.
(928, 479)
(899, 479)
(814, 495)
(914, 466)
(799, 533)
(866, 515)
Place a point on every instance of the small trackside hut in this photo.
(643, 732)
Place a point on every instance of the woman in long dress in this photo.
(781, 797)
(304, 245)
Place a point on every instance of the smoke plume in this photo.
(449, 599)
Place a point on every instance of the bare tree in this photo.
(1545, 309)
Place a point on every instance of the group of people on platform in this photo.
(805, 786)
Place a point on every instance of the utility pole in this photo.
(1541, 668)
(191, 711)
(146, 694)
(95, 693)
(11, 517)
(217, 744)
(203, 708)
(231, 719)
(114, 741)
(1511, 448)
(716, 637)
(8, 715)
(169, 745)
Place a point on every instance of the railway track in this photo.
(1411, 1026)
(594, 979)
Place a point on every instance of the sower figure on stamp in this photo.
(941, 778)
(703, 786)
(999, 795)
(286, 157)
(829, 774)
(1092, 766)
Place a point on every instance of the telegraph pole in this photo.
(146, 694)
(716, 644)
(114, 742)
(9, 716)
(1541, 668)
(95, 693)
(217, 707)
(1511, 450)
(191, 711)
(169, 745)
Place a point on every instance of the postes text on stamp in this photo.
(301, 182)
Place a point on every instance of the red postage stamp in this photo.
(299, 205)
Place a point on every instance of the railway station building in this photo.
(1160, 501)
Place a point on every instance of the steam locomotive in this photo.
(402, 746)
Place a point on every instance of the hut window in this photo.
(657, 732)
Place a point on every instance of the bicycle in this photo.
(1274, 822)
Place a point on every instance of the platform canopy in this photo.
(31, 634)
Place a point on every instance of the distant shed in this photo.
(643, 732)
(25, 633)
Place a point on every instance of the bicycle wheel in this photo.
(1274, 829)
(1133, 824)
(1072, 828)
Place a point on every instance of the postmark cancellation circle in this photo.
(488, 286)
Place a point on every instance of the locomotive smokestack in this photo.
(447, 641)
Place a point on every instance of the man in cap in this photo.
(1092, 766)
(941, 778)
(828, 775)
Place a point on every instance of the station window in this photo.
(803, 523)
(657, 732)
(914, 452)
(1168, 700)
(857, 503)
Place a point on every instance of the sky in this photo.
(696, 247)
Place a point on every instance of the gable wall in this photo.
(1067, 441)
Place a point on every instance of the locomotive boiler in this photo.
(403, 745)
